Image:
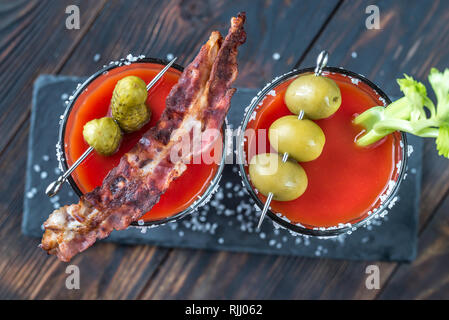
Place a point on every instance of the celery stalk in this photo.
(414, 113)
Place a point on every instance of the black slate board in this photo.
(228, 221)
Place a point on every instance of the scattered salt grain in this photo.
(276, 56)
(409, 150)
(354, 54)
(220, 195)
(54, 199)
(306, 241)
(97, 57)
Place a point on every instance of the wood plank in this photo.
(182, 27)
(195, 274)
(310, 277)
(428, 276)
(24, 269)
(33, 40)
(108, 270)
(435, 184)
(181, 30)
(382, 56)
(27, 272)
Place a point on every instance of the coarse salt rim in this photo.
(342, 225)
(355, 81)
(60, 154)
(252, 107)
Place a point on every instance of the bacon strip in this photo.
(201, 98)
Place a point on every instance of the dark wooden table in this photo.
(414, 37)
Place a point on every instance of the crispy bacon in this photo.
(201, 98)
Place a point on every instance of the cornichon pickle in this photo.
(128, 104)
(318, 96)
(129, 91)
(103, 135)
(303, 140)
(286, 180)
(131, 118)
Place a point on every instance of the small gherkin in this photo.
(103, 134)
(129, 91)
(131, 118)
(128, 104)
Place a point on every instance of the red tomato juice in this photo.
(346, 181)
(94, 103)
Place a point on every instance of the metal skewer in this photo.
(160, 74)
(54, 187)
(321, 62)
(270, 194)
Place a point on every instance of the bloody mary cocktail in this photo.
(92, 101)
(346, 183)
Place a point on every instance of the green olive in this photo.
(318, 96)
(131, 118)
(286, 180)
(103, 135)
(129, 91)
(303, 140)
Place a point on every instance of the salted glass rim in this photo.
(297, 228)
(61, 155)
